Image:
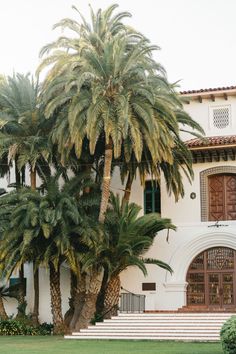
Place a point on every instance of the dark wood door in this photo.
(220, 290)
(211, 280)
(222, 197)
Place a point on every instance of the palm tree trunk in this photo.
(3, 314)
(112, 296)
(17, 175)
(73, 287)
(128, 186)
(79, 299)
(88, 310)
(56, 307)
(35, 314)
(21, 294)
(33, 178)
(106, 181)
(101, 295)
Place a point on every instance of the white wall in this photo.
(201, 113)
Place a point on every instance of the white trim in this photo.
(176, 287)
(184, 255)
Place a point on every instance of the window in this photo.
(220, 117)
(152, 198)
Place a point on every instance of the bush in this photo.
(13, 327)
(228, 336)
(45, 329)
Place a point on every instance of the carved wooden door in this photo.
(222, 197)
(211, 279)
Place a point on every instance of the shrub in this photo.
(45, 329)
(228, 336)
(13, 327)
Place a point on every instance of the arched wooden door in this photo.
(222, 197)
(211, 280)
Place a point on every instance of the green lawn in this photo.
(57, 345)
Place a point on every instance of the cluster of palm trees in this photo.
(104, 105)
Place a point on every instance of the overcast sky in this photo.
(197, 37)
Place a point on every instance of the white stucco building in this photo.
(202, 252)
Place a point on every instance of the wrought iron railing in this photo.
(130, 302)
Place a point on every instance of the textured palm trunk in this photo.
(35, 314)
(3, 314)
(33, 178)
(56, 307)
(17, 174)
(70, 312)
(106, 181)
(112, 296)
(128, 186)
(101, 295)
(21, 294)
(78, 303)
(93, 286)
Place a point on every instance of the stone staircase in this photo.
(157, 326)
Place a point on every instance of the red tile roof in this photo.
(212, 141)
(208, 90)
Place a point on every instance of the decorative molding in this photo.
(176, 287)
(184, 255)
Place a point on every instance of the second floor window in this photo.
(152, 198)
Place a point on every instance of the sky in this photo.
(197, 37)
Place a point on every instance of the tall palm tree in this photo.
(130, 237)
(22, 124)
(114, 91)
(23, 136)
(51, 228)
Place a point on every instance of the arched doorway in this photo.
(211, 279)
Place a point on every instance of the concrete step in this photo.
(159, 326)
(186, 327)
(206, 321)
(189, 338)
(143, 331)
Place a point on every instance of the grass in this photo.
(59, 345)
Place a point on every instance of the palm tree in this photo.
(23, 136)
(130, 237)
(38, 230)
(22, 124)
(114, 92)
(57, 226)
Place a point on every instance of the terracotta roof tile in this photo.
(208, 90)
(212, 141)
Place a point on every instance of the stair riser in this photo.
(177, 338)
(186, 332)
(148, 328)
(179, 327)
